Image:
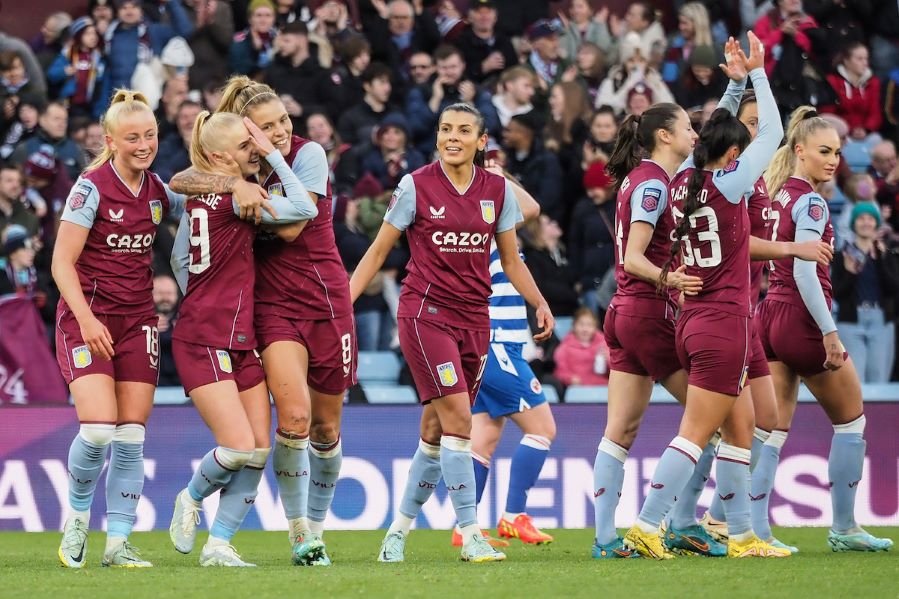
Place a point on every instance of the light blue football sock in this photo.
(424, 474)
(215, 471)
(290, 460)
(458, 474)
(762, 482)
(125, 479)
(733, 487)
(844, 468)
(759, 436)
(527, 462)
(608, 479)
(87, 453)
(481, 474)
(238, 496)
(674, 469)
(325, 460)
(683, 514)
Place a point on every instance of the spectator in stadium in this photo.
(859, 188)
(884, 164)
(883, 28)
(398, 31)
(590, 69)
(374, 323)
(516, 90)
(101, 11)
(291, 11)
(548, 262)
(174, 149)
(603, 132)
(544, 58)
(23, 126)
(132, 40)
(425, 102)
(486, 52)
(865, 285)
(92, 144)
(701, 81)
(78, 70)
(12, 208)
(213, 22)
(357, 124)
(582, 26)
(46, 188)
(15, 83)
(343, 89)
(858, 94)
(421, 68)
(565, 133)
(535, 167)
(330, 27)
(295, 73)
(341, 164)
(17, 271)
(693, 31)
(48, 43)
(391, 157)
(33, 69)
(633, 70)
(640, 19)
(253, 48)
(591, 236)
(52, 135)
(515, 16)
(174, 93)
(166, 299)
(582, 357)
(842, 23)
(639, 99)
(785, 25)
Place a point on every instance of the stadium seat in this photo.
(586, 394)
(389, 394)
(378, 367)
(552, 396)
(563, 325)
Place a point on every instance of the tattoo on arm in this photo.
(193, 182)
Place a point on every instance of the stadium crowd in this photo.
(366, 79)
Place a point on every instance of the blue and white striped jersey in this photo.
(508, 315)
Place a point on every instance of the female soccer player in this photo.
(450, 211)
(304, 321)
(214, 341)
(107, 345)
(798, 331)
(510, 390)
(713, 331)
(639, 325)
(767, 440)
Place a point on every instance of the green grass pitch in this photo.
(29, 568)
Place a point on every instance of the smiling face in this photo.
(865, 226)
(236, 142)
(134, 140)
(319, 129)
(818, 155)
(459, 137)
(274, 121)
(585, 328)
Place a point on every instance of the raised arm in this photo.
(249, 196)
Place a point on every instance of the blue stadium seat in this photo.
(552, 396)
(389, 394)
(563, 325)
(586, 394)
(378, 367)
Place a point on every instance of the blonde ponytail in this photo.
(124, 102)
(803, 121)
(210, 134)
(241, 93)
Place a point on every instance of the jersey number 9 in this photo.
(199, 240)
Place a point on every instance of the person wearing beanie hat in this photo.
(591, 239)
(865, 286)
(391, 156)
(17, 272)
(253, 48)
(79, 69)
(702, 80)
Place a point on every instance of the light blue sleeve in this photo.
(181, 253)
(295, 205)
(311, 168)
(82, 203)
(734, 180)
(732, 96)
(810, 213)
(688, 163)
(401, 210)
(649, 200)
(511, 214)
(805, 274)
(176, 201)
